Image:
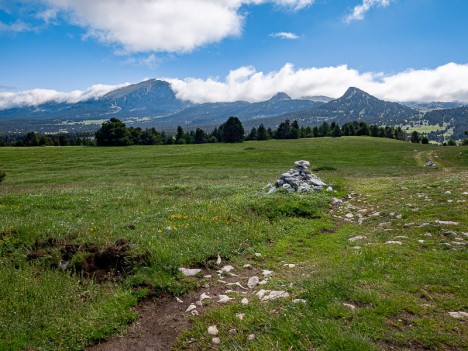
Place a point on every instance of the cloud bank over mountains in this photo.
(444, 83)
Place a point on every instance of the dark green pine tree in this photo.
(262, 133)
(113, 133)
(232, 130)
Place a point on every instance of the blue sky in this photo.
(213, 50)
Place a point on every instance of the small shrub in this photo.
(2, 175)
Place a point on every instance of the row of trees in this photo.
(115, 133)
(35, 139)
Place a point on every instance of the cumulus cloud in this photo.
(285, 35)
(36, 97)
(160, 25)
(445, 83)
(359, 11)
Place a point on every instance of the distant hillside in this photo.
(457, 117)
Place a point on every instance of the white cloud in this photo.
(161, 25)
(40, 96)
(360, 10)
(445, 83)
(285, 35)
(16, 27)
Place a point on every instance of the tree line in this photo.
(115, 133)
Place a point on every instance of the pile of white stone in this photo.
(300, 179)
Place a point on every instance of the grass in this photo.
(181, 205)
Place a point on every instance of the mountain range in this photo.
(153, 103)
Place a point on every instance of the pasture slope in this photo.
(87, 234)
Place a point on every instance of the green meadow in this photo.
(124, 219)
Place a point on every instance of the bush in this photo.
(2, 175)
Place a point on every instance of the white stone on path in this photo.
(350, 306)
(218, 261)
(213, 330)
(271, 295)
(240, 315)
(421, 241)
(459, 315)
(349, 215)
(251, 337)
(227, 268)
(289, 265)
(257, 254)
(253, 282)
(216, 341)
(224, 298)
(393, 242)
(204, 297)
(236, 284)
(247, 265)
(191, 308)
(299, 301)
(446, 222)
(267, 273)
(189, 272)
(179, 300)
(199, 303)
(356, 238)
(262, 282)
(245, 301)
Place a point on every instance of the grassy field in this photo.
(143, 212)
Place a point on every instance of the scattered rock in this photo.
(204, 297)
(267, 295)
(267, 273)
(289, 265)
(421, 241)
(240, 315)
(224, 298)
(430, 164)
(218, 260)
(247, 266)
(191, 308)
(446, 222)
(189, 272)
(216, 341)
(350, 306)
(251, 337)
(459, 315)
(355, 247)
(227, 268)
(213, 330)
(449, 233)
(253, 282)
(236, 284)
(299, 301)
(356, 238)
(257, 254)
(245, 301)
(393, 242)
(179, 300)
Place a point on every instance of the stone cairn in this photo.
(300, 179)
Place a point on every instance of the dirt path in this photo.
(162, 319)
